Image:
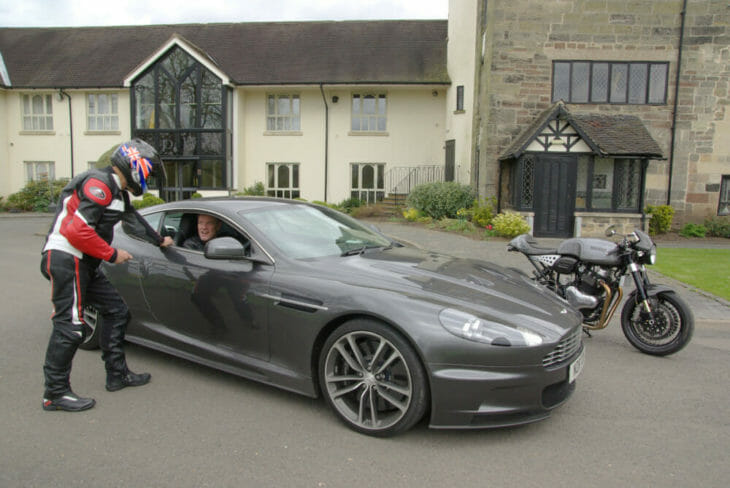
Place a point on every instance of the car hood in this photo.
(478, 287)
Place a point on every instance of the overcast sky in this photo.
(48, 13)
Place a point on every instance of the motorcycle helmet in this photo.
(138, 162)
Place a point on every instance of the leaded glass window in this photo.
(635, 82)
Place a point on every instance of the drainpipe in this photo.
(676, 96)
(326, 138)
(62, 94)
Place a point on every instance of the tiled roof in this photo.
(607, 135)
(261, 53)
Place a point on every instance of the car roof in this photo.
(226, 205)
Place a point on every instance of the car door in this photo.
(208, 307)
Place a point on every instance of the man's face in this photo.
(207, 227)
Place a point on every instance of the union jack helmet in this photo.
(138, 161)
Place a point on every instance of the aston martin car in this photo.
(305, 298)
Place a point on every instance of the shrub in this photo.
(693, 230)
(256, 190)
(718, 227)
(661, 218)
(350, 204)
(148, 199)
(441, 199)
(36, 196)
(483, 211)
(196, 195)
(510, 224)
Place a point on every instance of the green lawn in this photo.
(706, 269)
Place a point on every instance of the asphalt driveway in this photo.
(634, 420)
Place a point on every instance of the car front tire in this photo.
(373, 379)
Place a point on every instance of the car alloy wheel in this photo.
(372, 379)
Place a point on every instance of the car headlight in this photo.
(473, 328)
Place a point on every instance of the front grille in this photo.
(565, 349)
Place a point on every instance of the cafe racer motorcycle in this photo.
(589, 274)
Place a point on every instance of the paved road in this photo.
(634, 420)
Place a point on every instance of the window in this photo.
(608, 184)
(182, 109)
(460, 98)
(369, 112)
(39, 170)
(37, 112)
(102, 112)
(368, 182)
(723, 208)
(636, 83)
(282, 113)
(282, 180)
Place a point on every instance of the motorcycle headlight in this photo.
(473, 328)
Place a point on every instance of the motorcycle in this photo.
(589, 274)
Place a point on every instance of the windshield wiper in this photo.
(360, 250)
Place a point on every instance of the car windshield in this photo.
(302, 231)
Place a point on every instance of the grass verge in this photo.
(706, 269)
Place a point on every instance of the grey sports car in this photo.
(305, 298)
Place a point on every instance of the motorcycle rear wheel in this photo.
(672, 327)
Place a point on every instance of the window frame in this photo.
(112, 116)
(291, 122)
(31, 170)
(618, 91)
(376, 116)
(460, 99)
(32, 121)
(293, 190)
(723, 205)
(372, 195)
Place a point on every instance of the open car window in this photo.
(184, 225)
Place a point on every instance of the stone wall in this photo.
(523, 37)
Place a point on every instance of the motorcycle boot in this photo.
(57, 371)
(118, 375)
(69, 402)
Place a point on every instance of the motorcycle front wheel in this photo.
(665, 331)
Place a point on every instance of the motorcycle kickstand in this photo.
(587, 332)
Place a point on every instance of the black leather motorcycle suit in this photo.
(79, 239)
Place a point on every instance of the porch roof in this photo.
(606, 135)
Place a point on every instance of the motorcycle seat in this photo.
(527, 244)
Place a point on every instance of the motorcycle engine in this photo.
(585, 291)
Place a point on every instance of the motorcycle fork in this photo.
(641, 282)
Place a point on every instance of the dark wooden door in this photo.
(450, 162)
(555, 178)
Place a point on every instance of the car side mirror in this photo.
(224, 248)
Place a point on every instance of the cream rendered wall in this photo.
(463, 21)
(414, 137)
(5, 184)
(55, 145)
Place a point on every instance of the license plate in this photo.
(576, 367)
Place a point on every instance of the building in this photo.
(590, 109)
(317, 110)
(576, 113)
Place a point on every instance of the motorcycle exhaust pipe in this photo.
(609, 307)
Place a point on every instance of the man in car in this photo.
(79, 239)
(208, 227)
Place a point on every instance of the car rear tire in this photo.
(92, 320)
(373, 379)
